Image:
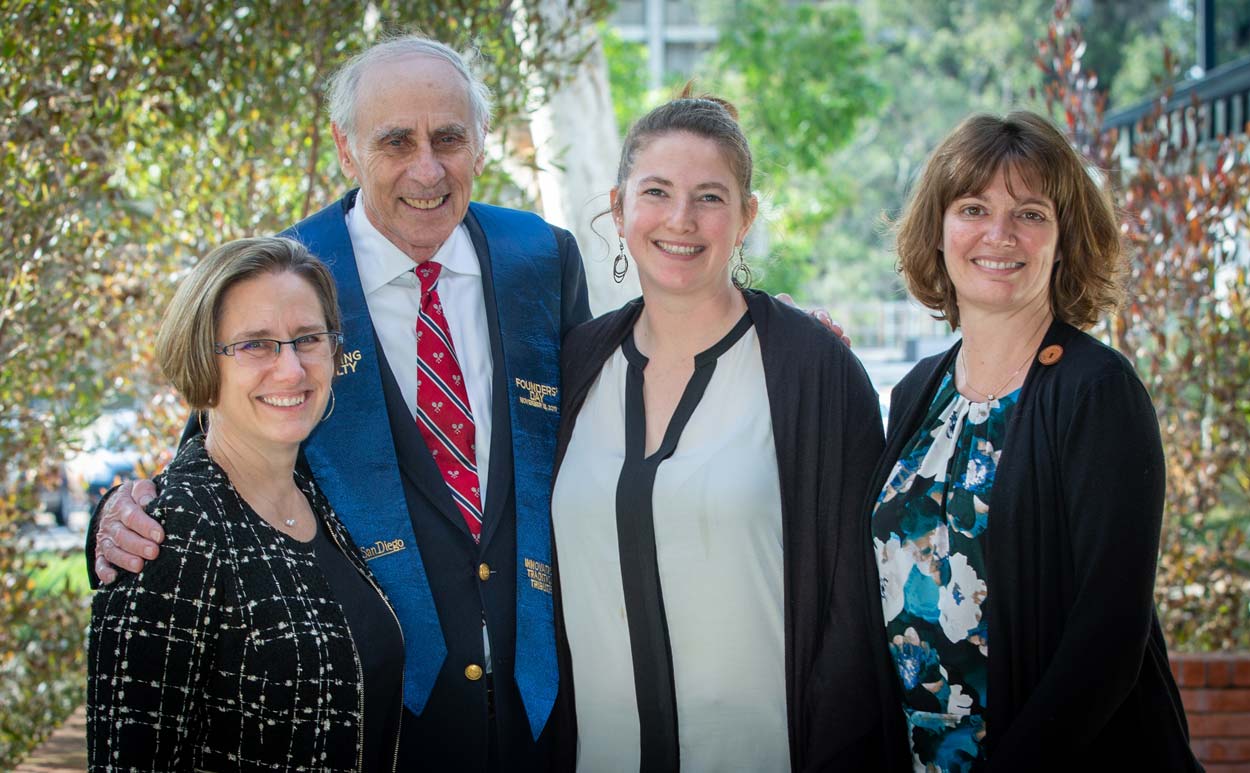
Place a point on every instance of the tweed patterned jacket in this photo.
(228, 652)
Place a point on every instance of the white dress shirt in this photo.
(393, 295)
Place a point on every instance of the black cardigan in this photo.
(827, 433)
(1078, 668)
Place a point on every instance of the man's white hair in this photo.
(344, 86)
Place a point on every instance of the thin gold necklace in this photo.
(992, 396)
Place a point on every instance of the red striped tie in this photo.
(443, 412)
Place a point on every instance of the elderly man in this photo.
(438, 453)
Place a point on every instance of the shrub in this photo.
(1187, 328)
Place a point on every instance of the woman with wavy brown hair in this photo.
(1017, 509)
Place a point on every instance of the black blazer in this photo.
(827, 433)
(1078, 669)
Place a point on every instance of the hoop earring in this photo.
(741, 274)
(330, 412)
(199, 417)
(620, 266)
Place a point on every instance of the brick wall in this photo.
(1215, 689)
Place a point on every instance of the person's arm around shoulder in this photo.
(151, 646)
(1112, 478)
(120, 535)
(821, 315)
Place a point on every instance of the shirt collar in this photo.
(380, 262)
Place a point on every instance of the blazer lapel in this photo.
(525, 283)
(353, 456)
(499, 476)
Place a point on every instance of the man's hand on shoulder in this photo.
(821, 316)
(126, 536)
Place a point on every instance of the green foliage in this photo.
(1125, 40)
(1144, 60)
(1187, 327)
(1232, 31)
(1155, 25)
(42, 651)
(60, 573)
(141, 135)
(46, 635)
(941, 60)
(802, 77)
(627, 74)
(801, 73)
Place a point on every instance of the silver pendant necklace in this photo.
(227, 467)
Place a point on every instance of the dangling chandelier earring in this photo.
(620, 266)
(742, 272)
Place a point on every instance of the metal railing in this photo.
(882, 323)
(1222, 98)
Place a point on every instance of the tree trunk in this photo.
(577, 149)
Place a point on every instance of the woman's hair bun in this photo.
(687, 92)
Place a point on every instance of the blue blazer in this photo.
(449, 726)
(453, 730)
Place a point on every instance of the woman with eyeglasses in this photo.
(244, 645)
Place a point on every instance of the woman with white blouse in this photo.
(710, 470)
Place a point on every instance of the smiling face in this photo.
(415, 151)
(999, 246)
(270, 406)
(682, 214)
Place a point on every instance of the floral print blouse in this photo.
(928, 530)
